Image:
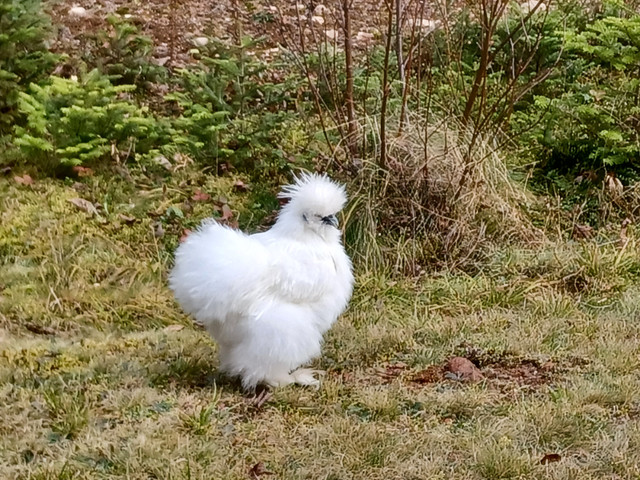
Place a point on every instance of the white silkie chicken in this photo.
(268, 298)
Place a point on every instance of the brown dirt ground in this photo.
(173, 24)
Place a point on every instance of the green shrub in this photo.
(234, 109)
(124, 54)
(24, 58)
(73, 122)
(595, 123)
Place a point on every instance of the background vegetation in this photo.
(491, 152)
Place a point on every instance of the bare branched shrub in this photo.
(425, 100)
(434, 207)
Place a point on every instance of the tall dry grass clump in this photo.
(443, 199)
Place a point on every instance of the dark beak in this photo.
(330, 220)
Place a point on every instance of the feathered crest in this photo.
(315, 192)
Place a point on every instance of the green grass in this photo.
(99, 380)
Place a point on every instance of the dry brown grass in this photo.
(106, 390)
(444, 199)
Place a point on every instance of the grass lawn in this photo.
(101, 375)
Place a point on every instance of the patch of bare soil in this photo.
(501, 373)
(177, 26)
(173, 25)
(500, 370)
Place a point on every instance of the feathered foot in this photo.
(305, 377)
(301, 376)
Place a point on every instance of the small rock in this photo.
(162, 50)
(200, 41)
(533, 4)
(78, 12)
(364, 36)
(161, 61)
(331, 34)
(427, 25)
(318, 20)
(463, 370)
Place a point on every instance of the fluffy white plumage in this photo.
(268, 298)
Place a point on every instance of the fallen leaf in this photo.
(124, 173)
(582, 231)
(163, 162)
(127, 219)
(548, 366)
(39, 329)
(185, 234)
(23, 180)
(614, 185)
(82, 171)
(259, 469)
(174, 212)
(624, 238)
(240, 186)
(227, 214)
(158, 231)
(155, 214)
(200, 196)
(550, 458)
(173, 328)
(85, 205)
(222, 200)
(79, 187)
(389, 372)
(431, 374)
(186, 207)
